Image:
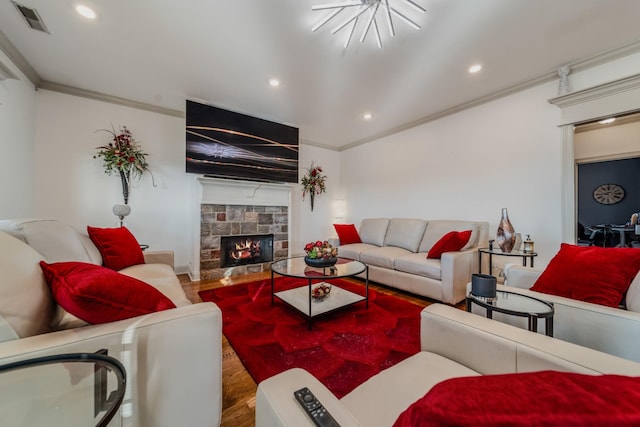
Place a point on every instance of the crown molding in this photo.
(608, 56)
(466, 106)
(319, 145)
(576, 66)
(72, 90)
(16, 57)
(6, 73)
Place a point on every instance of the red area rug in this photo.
(344, 348)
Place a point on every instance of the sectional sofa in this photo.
(454, 344)
(395, 249)
(173, 357)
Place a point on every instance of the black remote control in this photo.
(312, 406)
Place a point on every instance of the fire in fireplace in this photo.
(246, 249)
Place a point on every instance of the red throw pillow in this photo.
(590, 273)
(347, 233)
(118, 247)
(544, 398)
(97, 294)
(450, 242)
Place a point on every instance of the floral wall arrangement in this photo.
(124, 156)
(313, 182)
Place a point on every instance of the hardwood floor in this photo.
(238, 388)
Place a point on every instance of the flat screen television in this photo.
(226, 144)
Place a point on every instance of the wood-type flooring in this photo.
(238, 388)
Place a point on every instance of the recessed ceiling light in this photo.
(274, 82)
(367, 116)
(475, 68)
(86, 11)
(607, 121)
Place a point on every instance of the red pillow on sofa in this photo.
(590, 273)
(545, 398)
(347, 233)
(118, 247)
(97, 294)
(450, 242)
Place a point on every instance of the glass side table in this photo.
(519, 305)
(75, 389)
(498, 252)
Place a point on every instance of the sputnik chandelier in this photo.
(368, 11)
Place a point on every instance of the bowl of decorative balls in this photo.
(320, 254)
(321, 291)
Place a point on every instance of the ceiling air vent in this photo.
(32, 17)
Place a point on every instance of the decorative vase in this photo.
(311, 197)
(124, 178)
(506, 236)
(320, 262)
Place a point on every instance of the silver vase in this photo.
(506, 236)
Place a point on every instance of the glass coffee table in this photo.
(301, 297)
(519, 305)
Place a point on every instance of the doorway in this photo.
(607, 174)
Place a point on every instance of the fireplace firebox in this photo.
(246, 249)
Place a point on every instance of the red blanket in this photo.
(546, 398)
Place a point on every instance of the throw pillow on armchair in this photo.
(590, 273)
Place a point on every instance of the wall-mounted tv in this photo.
(226, 144)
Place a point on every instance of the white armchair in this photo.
(447, 335)
(611, 330)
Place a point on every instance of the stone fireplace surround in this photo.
(228, 207)
(234, 220)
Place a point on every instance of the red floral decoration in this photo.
(313, 182)
(320, 249)
(123, 154)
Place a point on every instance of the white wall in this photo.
(317, 224)
(506, 153)
(72, 187)
(17, 118)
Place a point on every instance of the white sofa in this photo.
(172, 357)
(396, 252)
(454, 344)
(611, 330)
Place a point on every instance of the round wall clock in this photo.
(608, 194)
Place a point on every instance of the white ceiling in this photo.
(161, 52)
